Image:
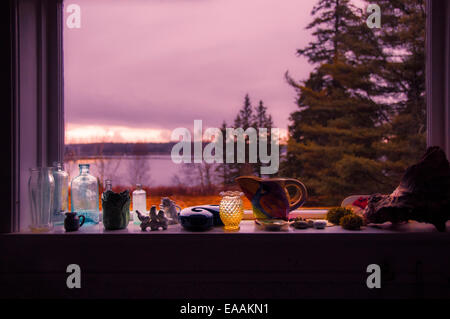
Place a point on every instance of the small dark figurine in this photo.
(153, 221)
(423, 194)
(145, 220)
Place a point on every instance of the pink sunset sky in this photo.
(138, 69)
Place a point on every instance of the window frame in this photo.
(438, 74)
(36, 96)
(36, 121)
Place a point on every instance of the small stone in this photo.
(301, 224)
(320, 224)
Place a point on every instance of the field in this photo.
(185, 200)
(192, 196)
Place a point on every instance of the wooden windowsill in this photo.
(246, 227)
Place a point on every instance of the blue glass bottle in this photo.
(84, 195)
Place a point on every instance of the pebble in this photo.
(301, 224)
(320, 224)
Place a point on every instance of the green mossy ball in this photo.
(351, 222)
(335, 214)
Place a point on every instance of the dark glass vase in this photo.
(116, 209)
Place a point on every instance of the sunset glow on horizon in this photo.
(82, 134)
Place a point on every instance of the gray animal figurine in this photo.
(170, 209)
(154, 221)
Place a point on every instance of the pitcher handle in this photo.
(82, 222)
(301, 194)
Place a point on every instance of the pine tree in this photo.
(245, 117)
(333, 135)
(402, 36)
(262, 120)
(256, 118)
(244, 120)
(224, 170)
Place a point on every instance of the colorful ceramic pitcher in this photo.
(271, 198)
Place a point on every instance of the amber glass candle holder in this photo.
(231, 209)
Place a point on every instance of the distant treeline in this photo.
(114, 149)
(119, 149)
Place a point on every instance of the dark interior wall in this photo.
(198, 265)
(7, 118)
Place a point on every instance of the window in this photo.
(136, 71)
(331, 264)
(39, 98)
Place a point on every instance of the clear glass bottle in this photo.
(41, 187)
(108, 185)
(139, 202)
(61, 194)
(84, 195)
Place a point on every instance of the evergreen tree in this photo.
(224, 170)
(402, 36)
(334, 134)
(245, 117)
(243, 120)
(262, 120)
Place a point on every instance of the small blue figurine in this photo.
(153, 221)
